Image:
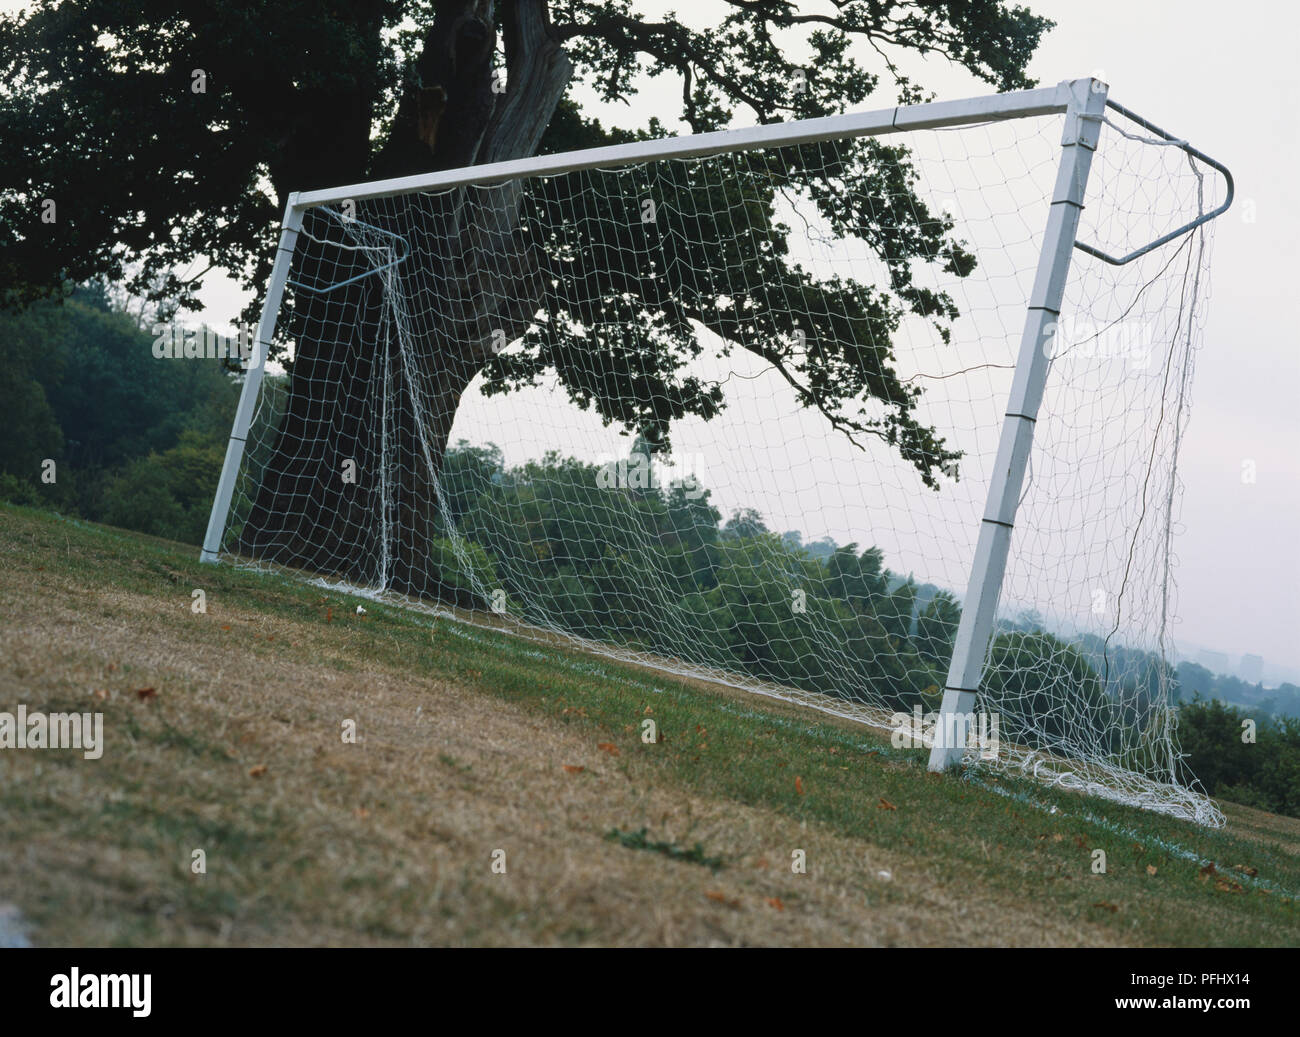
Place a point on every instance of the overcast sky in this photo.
(1226, 79)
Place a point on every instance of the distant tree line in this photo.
(1268, 705)
(657, 569)
(1260, 768)
(97, 427)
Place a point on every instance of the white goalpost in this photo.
(879, 413)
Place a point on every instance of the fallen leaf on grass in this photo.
(722, 898)
(607, 747)
(258, 771)
(145, 693)
(570, 768)
(1106, 906)
(798, 784)
(1246, 869)
(776, 903)
(1151, 869)
(884, 804)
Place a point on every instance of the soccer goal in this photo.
(878, 413)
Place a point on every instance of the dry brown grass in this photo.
(391, 839)
(310, 841)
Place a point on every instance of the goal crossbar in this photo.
(1022, 104)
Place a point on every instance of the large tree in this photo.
(167, 132)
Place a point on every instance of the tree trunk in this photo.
(388, 406)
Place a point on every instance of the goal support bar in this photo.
(252, 380)
(1082, 131)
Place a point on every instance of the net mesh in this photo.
(640, 408)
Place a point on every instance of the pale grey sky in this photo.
(1227, 80)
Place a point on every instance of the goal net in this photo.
(735, 415)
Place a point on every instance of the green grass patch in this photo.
(639, 840)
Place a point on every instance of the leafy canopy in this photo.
(169, 135)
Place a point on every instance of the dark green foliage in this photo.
(638, 840)
(652, 568)
(167, 494)
(31, 346)
(1264, 774)
(619, 334)
(461, 567)
(936, 628)
(100, 85)
(1053, 689)
(856, 578)
(136, 441)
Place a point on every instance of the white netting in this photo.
(761, 545)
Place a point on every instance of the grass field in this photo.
(224, 734)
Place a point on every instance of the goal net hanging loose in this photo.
(878, 413)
